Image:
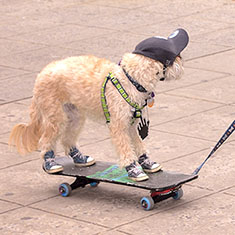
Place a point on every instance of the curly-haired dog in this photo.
(70, 90)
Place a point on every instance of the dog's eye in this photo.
(157, 73)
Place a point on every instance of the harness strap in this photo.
(103, 100)
(123, 93)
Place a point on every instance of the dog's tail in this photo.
(26, 136)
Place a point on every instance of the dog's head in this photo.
(157, 59)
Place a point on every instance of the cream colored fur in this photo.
(68, 91)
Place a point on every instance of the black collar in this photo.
(139, 87)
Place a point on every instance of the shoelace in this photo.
(51, 162)
(80, 157)
(135, 170)
(147, 162)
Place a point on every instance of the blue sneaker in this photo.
(50, 165)
(79, 159)
(136, 173)
(147, 165)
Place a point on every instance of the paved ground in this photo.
(189, 118)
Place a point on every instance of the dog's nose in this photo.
(162, 79)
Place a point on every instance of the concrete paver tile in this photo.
(31, 221)
(62, 34)
(212, 91)
(125, 20)
(209, 125)
(222, 37)
(173, 8)
(179, 8)
(111, 232)
(221, 62)
(7, 72)
(217, 174)
(20, 87)
(209, 215)
(169, 108)
(223, 14)
(164, 147)
(12, 114)
(83, 15)
(193, 23)
(7, 206)
(27, 183)
(191, 76)
(36, 60)
(8, 47)
(129, 4)
(230, 191)
(111, 44)
(10, 158)
(26, 24)
(201, 49)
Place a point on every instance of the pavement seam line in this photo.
(222, 76)
(68, 217)
(193, 114)
(162, 210)
(13, 101)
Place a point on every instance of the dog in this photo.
(68, 91)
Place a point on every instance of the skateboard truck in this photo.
(65, 189)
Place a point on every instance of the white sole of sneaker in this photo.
(55, 170)
(139, 178)
(85, 164)
(153, 170)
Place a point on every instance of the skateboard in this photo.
(162, 184)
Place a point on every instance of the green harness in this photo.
(137, 110)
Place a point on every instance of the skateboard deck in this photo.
(162, 184)
(111, 173)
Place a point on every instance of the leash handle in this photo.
(225, 136)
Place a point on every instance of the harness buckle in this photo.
(137, 113)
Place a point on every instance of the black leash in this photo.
(225, 136)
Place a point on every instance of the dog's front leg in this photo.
(121, 139)
(137, 142)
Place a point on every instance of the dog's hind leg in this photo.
(52, 120)
(74, 124)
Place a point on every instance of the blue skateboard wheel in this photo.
(94, 184)
(65, 190)
(147, 203)
(178, 194)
